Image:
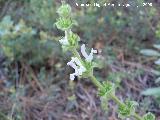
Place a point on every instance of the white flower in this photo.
(87, 57)
(64, 41)
(78, 67)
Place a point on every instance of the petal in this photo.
(157, 62)
(83, 51)
(72, 76)
(72, 64)
(77, 65)
(64, 41)
(90, 57)
(77, 61)
(94, 51)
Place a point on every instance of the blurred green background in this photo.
(34, 77)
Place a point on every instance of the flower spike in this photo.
(84, 67)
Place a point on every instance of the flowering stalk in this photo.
(84, 65)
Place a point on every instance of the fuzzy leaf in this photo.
(108, 88)
(152, 91)
(149, 52)
(149, 116)
(64, 10)
(157, 62)
(157, 80)
(127, 109)
(156, 46)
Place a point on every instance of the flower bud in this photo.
(127, 109)
(149, 116)
(64, 23)
(108, 89)
(64, 10)
(73, 39)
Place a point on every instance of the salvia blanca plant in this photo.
(83, 65)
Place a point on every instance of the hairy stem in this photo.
(96, 82)
(76, 54)
(115, 98)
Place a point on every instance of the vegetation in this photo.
(42, 40)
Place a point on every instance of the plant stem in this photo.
(115, 98)
(99, 85)
(76, 54)
(96, 82)
(137, 116)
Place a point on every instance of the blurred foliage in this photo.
(20, 42)
(42, 12)
(121, 23)
(153, 53)
(152, 91)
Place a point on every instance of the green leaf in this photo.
(149, 116)
(108, 88)
(127, 109)
(73, 39)
(157, 62)
(156, 46)
(157, 80)
(7, 20)
(152, 91)
(64, 10)
(149, 52)
(64, 23)
(3, 116)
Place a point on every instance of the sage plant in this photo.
(83, 65)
